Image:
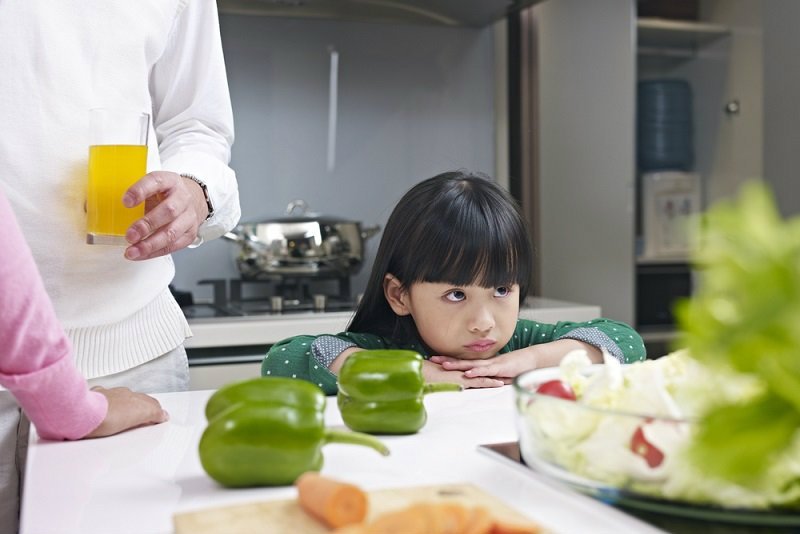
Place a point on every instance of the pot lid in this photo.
(298, 211)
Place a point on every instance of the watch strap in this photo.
(203, 186)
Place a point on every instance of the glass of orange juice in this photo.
(117, 159)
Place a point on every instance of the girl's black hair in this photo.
(458, 228)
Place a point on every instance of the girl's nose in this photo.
(483, 321)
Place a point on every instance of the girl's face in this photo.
(467, 322)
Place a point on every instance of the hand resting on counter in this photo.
(126, 410)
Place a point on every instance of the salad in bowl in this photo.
(632, 428)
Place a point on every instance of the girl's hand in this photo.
(433, 372)
(503, 366)
(127, 409)
(509, 365)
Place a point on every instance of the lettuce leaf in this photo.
(745, 318)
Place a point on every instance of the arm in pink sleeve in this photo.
(35, 356)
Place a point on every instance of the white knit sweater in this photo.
(58, 60)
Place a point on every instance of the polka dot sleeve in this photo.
(325, 349)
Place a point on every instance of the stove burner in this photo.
(280, 295)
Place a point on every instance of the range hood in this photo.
(475, 13)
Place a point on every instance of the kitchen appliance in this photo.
(300, 244)
(670, 204)
(239, 297)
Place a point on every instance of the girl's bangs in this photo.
(477, 254)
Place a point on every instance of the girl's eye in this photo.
(455, 296)
(502, 291)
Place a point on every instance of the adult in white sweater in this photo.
(163, 57)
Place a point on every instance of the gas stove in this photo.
(269, 296)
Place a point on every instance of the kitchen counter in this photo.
(134, 482)
(269, 329)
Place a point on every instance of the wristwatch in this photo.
(202, 185)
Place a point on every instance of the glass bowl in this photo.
(624, 457)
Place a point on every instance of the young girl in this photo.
(452, 268)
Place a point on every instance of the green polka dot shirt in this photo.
(307, 357)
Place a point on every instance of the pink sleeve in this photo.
(35, 355)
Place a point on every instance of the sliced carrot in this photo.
(413, 519)
(355, 528)
(503, 527)
(333, 502)
(480, 521)
(454, 517)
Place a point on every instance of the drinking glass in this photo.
(117, 159)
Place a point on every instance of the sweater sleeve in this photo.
(35, 361)
(618, 339)
(192, 113)
(308, 357)
(293, 358)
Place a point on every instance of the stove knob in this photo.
(319, 302)
(276, 304)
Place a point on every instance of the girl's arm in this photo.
(511, 364)
(535, 345)
(313, 358)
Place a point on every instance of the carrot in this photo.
(414, 519)
(354, 528)
(455, 517)
(334, 503)
(502, 527)
(479, 522)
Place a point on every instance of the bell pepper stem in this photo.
(438, 387)
(355, 438)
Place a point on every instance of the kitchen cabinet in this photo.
(719, 56)
(584, 205)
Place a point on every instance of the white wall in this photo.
(413, 101)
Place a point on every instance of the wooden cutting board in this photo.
(286, 516)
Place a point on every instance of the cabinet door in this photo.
(585, 209)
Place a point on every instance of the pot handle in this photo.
(370, 231)
(233, 236)
(238, 235)
(300, 204)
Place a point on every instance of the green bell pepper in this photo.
(268, 431)
(381, 391)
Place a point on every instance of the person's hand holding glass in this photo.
(153, 214)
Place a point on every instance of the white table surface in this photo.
(134, 482)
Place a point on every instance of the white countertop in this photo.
(269, 329)
(135, 482)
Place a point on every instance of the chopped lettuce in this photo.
(591, 437)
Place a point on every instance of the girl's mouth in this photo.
(481, 346)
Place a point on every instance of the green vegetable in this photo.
(381, 391)
(268, 431)
(745, 319)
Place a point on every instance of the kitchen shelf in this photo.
(671, 37)
(676, 260)
(663, 43)
(658, 334)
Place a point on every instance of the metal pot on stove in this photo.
(301, 243)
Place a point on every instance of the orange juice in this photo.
(112, 170)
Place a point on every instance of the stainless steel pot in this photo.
(301, 243)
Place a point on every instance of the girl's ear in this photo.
(395, 294)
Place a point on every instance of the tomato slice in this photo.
(639, 445)
(556, 388)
